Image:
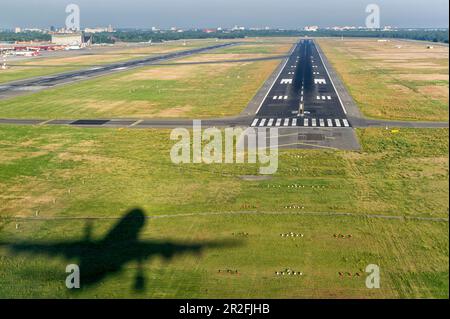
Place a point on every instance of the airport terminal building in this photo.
(72, 39)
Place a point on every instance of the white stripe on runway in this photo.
(306, 122)
(346, 124)
(322, 122)
(330, 123)
(278, 123)
(314, 122)
(262, 123)
(294, 122)
(270, 122)
(286, 122)
(329, 97)
(255, 121)
(338, 123)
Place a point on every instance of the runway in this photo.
(303, 95)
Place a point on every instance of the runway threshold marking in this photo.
(296, 122)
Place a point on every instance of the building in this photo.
(72, 39)
(17, 30)
(109, 29)
(238, 28)
(95, 30)
(312, 28)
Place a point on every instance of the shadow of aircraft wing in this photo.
(169, 250)
(68, 250)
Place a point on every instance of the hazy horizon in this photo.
(289, 14)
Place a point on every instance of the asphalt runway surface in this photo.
(303, 95)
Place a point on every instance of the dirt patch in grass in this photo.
(410, 65)
(131, 107)
(174, 112)
(12, 156)
(163, 73)
(400, 88)
(211, 57)
(437, 92)
(424, 77)
(67, 156)
(29, 197)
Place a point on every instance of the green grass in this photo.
(69, 172)
(169, 91)
(409, 268)
(377, 86)
(396, 174)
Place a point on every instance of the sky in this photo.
(289, 14)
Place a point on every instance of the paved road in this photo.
(16, 88)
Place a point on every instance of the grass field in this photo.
(389, 201)
(396, 80)
(96, 56)
(68, 172)
(204, 90)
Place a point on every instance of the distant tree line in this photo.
(160, 36)
(25, 36)
(145, 36)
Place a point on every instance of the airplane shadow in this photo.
(99, 259)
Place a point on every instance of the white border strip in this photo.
(328, 73)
